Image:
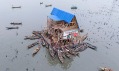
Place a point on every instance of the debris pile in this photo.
(59, 49)
(62, 38)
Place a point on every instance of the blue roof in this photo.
(59, 15)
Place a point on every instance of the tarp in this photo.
(59, 15)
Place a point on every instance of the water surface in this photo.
(98, 18)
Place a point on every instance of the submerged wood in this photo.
(13, 23)
(8, 28)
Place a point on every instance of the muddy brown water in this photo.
(98, 18)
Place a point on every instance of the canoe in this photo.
(60, 56)
(81, 47)
(36, 51)
(16, 7)
(13, 23)
(33, 44)
(41, 2)
(31, 37)
(63, 52)
(91, 46)
(66, 51)
(48, 5)
(37, 33)
(83, 38)
(105, 69)
(12, 27)
(43, 42)
(51, 51)
(72, 51)
(73, 7)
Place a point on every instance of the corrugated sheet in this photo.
(58, 14)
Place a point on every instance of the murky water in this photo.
(98, 18)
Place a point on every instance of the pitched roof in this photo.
(59, 15)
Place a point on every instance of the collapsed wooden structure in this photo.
(61, 36)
